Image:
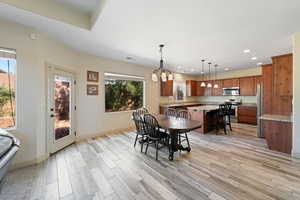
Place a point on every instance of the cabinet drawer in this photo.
(247, 120)
(250, 113)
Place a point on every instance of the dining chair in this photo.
(142, 111)
(139, 125)
(184, 114)
(170, 112)
(224, 117)
(153, 134)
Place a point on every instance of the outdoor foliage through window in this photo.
(7, 92)
(122, 95)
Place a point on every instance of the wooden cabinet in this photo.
(277, 86)
(200, 90)
(278, 135)
(247, 114)
(191, 88)
(166, 88)
(228, 83)
(247, 86)
(283, 79)
(218, 91)
(267, 71)
(258, 80)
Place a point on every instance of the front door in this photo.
(61, 108)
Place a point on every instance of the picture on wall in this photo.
(179, 90)
(92, 76)
(92, 89)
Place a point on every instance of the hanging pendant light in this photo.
(161, 73)
(216, 84)
(202, 72)
(209, 85)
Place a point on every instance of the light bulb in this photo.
(154, 77)
(203, 84)
(170, 77)
(209, 85)
(216, 86)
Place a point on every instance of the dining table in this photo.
(174, 126)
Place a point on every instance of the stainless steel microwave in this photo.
(233, 91)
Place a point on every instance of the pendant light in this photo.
(202, 72)
(216, 84)
(209, 85)
(161, 73)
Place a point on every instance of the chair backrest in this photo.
(184, 114)
(151, 126)
(142, 111)
(170, 112)
(223, 109)
(139, 122)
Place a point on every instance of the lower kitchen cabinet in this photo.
(247, 114)
(278, 135)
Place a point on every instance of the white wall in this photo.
(296, 100)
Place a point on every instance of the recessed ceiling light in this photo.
(226, 69)
(247, 51)
(254, 58)
(260, 63)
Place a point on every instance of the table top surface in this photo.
(176, 124)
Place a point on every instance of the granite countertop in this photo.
(249, 104)
(205, 108)
(202, 103)
(279, 118)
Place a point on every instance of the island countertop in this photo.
(204, 108)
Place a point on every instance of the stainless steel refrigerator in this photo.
(259, 96)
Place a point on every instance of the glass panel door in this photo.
(61, 109)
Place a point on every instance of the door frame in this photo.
(50, 72)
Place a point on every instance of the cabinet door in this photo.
(200, 90)
(218, 91)
(283, 80)
(258, 80)
(267, 88)
(235, 82)
(191, 88)
(247, 86)
(166, 88)
(208, 91)
(227, 83)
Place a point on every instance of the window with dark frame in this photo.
(123, 92)
(8, 66)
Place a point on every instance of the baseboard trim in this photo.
(28, 163)
(104, 133)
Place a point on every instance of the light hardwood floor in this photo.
(233, 167)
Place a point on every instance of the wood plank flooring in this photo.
(233, 167)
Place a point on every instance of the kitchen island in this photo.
(207, 115)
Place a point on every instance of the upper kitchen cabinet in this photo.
(283, 70)
(191, 88)
(247, 86)
(258, 81)
(218, 91)
(200, 90)
(228, 83)
(166, 88)
(267, 71)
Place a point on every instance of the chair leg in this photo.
(225, 124)
(187, 140)
(229, 120)
(136, 139)
(156, 144)
(142, 144)
(179, 140)
(147, 146)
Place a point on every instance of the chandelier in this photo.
(161, 73)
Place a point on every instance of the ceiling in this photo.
(214, 30)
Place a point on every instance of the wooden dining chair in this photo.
(184, 114)
(223, 118)
(170, 112)
(153, 133)
(138, 119)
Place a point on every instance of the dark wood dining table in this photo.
(175, 126)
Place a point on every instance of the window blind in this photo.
(114, 76)
(7, 53)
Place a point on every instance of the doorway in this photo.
(61, 108)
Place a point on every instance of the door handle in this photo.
(51, 115)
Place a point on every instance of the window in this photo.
(123, 93)
(7, 88)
